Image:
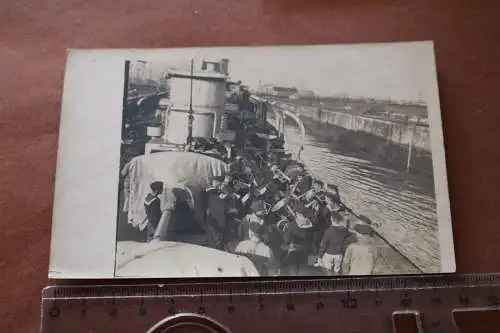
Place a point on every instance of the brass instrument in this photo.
(319, 197)
(282, 203)
(278, 174)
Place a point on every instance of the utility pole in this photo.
(190, 113)
(410, 147)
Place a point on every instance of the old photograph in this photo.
(281, 161)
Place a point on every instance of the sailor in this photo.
(237, 165)
(200, 145)
(177, 198)
(241, 169)
(282, 179)
(256, 214)
(297, 239)
(255, 249)
(234, 203)
(229, 150)
(362, 256)
(315, 195)
(272, 158)
(333, 202)
(318, 185)
(302, 180)
(228, 181)
(329, 204)
(227, 188)
(216, 215)
(332, 246)
(285, 161)
(152, 206)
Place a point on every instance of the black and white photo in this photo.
(252, 161)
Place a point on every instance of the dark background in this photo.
(34, 35)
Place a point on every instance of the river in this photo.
(400, 205)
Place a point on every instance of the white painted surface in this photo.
(174, 260)
(177, 128)
(207, 94)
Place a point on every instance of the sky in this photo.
(396, 71)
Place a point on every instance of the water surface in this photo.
(402, 205)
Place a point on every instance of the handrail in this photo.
(289, 114)
(301, 126)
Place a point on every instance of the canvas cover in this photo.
(187, 171)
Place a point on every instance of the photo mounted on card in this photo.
(251, 161)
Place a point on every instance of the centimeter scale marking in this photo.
(319, 305)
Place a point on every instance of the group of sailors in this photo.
(288, 223)
(271, 210)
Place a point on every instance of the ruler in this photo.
(374, 305)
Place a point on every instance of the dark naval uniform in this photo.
(297, 250)
(153, 213)
(217, 224)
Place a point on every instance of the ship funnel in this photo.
(200, 94)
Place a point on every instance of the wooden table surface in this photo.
(34, 35)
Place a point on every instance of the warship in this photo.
(201, 135)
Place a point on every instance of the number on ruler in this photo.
(84, 307)
(112, 312)
(142, 311)
(434, 324)
(436, 300)
(464, 299)
(406, 301)
(261, 305)
(54, 312)
(378, 300)
(493, 300)
(350, 303)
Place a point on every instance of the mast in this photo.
(190, 116)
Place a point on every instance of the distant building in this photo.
(341, 95)
(277, 91)
(307, 93)
(302, 94)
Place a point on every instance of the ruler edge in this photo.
(487, 280)
(273, 286)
